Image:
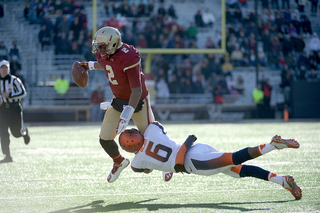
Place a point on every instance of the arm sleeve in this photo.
(18, 89)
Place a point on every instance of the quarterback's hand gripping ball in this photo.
(79, 73)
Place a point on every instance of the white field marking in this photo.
(56, 151)
(147, 193)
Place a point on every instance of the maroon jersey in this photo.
(123, 69)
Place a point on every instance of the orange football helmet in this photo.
(131, 140)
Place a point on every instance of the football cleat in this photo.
(280, 143)
(116, 170)
(289, 184)
(26, 137)
(166, 176)
(7, 159)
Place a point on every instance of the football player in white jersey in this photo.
(155, 150)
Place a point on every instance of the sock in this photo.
(118, 158)
(241, 156)
(254, 171)
(265, 148)
(273, 177)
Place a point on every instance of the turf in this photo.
(64, 169)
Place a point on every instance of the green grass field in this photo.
(64, 169)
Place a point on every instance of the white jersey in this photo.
(158, 151)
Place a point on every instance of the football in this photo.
(79, 74)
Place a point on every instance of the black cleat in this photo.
(7, 159)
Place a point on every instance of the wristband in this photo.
(127, 112)
(91, 65)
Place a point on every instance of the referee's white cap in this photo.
(5, 62)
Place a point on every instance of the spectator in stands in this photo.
(61, 85)
(40, 13)
(267, 88)
(318, 61)
(62, 45)
(274, 61)
(274, 4)
(15, 65)
(287, 45)
(49, 25)
(285, 4)
(218, 98)
(229, 16)
(15, 50)
(257, 95)
(192, 32)
(209, 43)
(302, 62)
(174, 85)
(163, 92)
(237, 56)
(223, 83)
(217, 68)
(198, 19)
(286, 81)
(266, 39)
(32, 15)
(232, 3)
(282, 62)
(208, 18)
(290, 61)
(161, 10)
(172, 12)
(297, 25)
(314, 6)
(301, 4)
(44, 36)
(64, 26)
(227, 67)
(292, 29)
(299, 45)
(3, 51)
(240, 85)
(97, 97)
(306, 25)
(312, 60)
(141, 42)
(26, 11)
(187, 86)
(262, 59)
(76, 27)
(314, 44)
(312, 76)
(232, 89)
(212, 83)
(237, 15)
(199, 83)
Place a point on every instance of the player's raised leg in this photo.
(286, 182)
(110, 122)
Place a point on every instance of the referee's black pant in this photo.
(10, 117)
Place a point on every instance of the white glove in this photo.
(125, 118)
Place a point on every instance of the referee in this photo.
(11, 114)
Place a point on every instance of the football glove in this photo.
(125, 118)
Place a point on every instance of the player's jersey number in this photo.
(111, 75)
(154, 154)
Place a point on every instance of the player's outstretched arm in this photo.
(91, 65)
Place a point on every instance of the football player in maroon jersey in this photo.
(122, 65)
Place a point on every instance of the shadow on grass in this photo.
(97, 206)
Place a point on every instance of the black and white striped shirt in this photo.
(14, 87)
